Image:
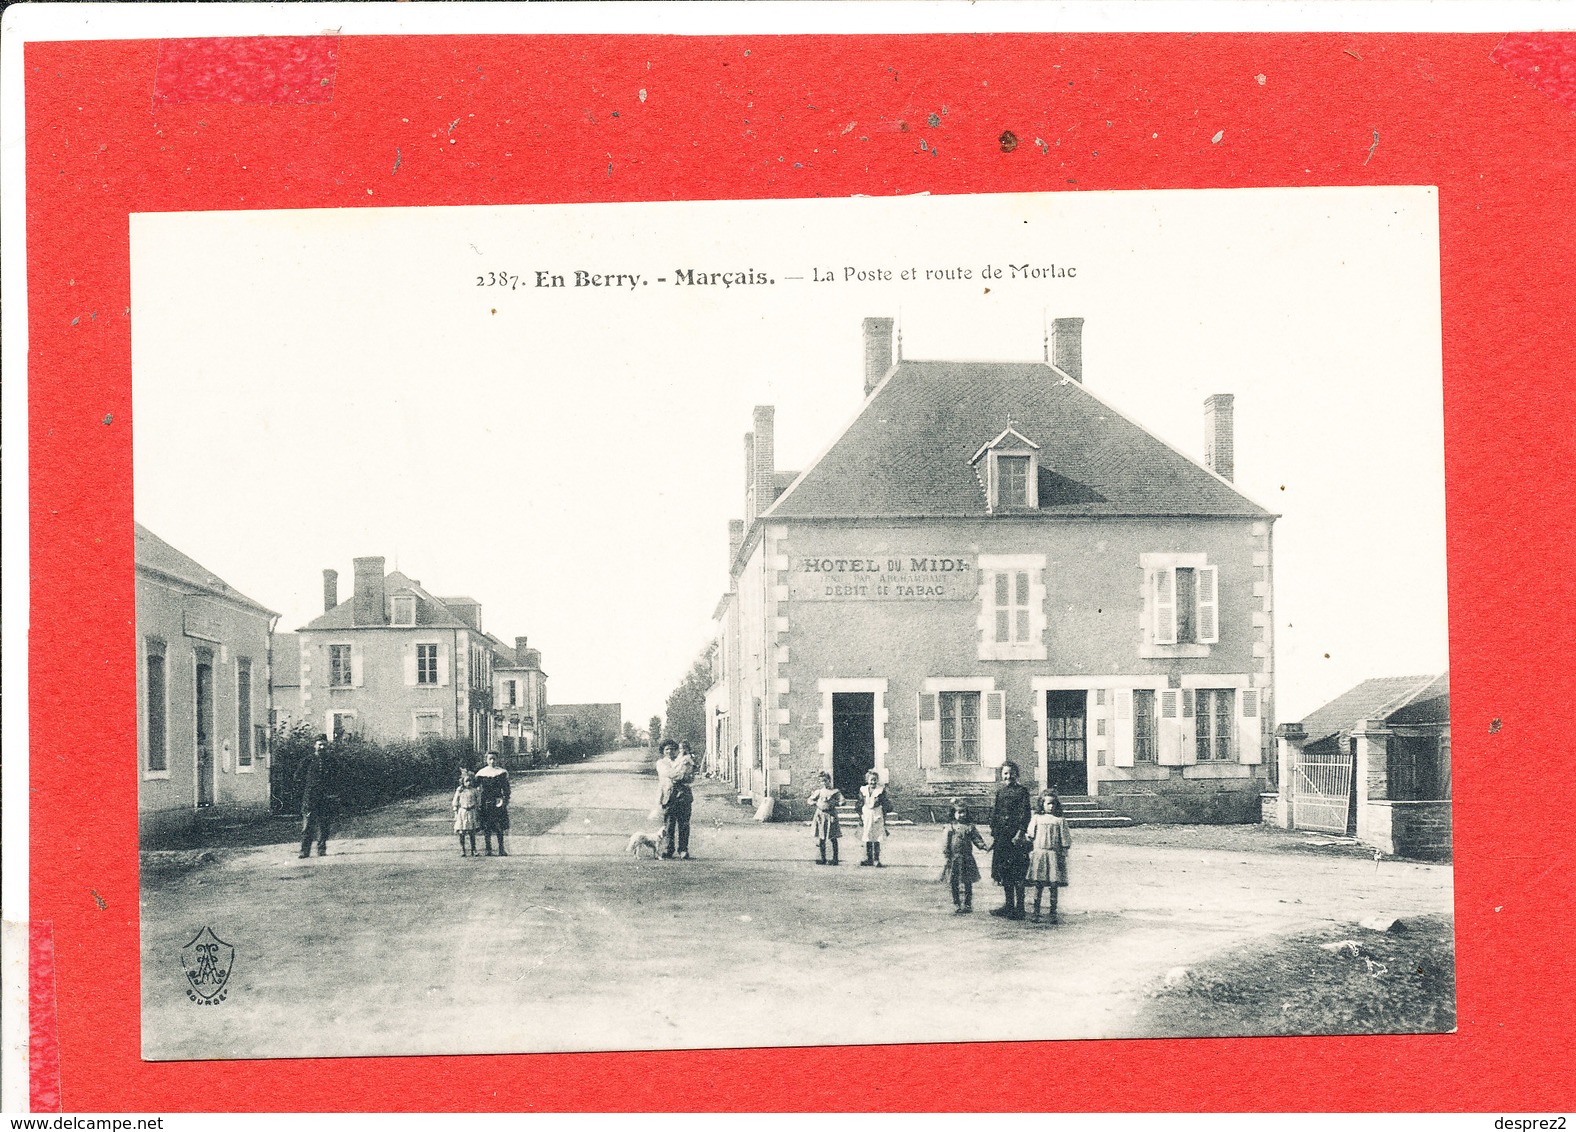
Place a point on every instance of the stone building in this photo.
(1374, 764)
(993, 561)
(202, 691)
(397, 662)
(519, 699)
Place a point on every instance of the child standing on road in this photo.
(958, 849)
(1049, 839)
(467, 803)
(825, 826)
(874, 805)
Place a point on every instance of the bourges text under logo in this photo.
(207, 961)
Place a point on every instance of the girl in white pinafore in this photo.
(1049, 839)
(872, 812)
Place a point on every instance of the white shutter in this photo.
(1164, 601)
(1208, 605)
(443, 666)
(355, 665)
(1187, 730)
(929, 730)
(993, 729)
(1123, 738)
(409, 659)
(1249, 726)
(1170, 728)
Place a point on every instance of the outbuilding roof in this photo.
(1378, 698)
(154, 554)
(908, 452)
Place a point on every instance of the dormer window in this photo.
(1008, 469)
(1012, 481)
(404, 612)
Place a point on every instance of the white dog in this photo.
(639, 840)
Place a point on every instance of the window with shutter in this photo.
(243, 713)
(339, 669)
(1122, 724)
(1250, 728)
(1144, 738)
(1214, 722)
(426, 664)
(1208, 606)
(158, 709)
(960, 728)
(1165, 607)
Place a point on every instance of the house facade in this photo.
(1374, 764)
(993, 562)
(202, 691)
(519, 697)
(396, 662)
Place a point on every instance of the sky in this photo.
(314, 386)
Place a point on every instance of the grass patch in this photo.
(1396, 983)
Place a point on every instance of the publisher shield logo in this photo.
(207, 961)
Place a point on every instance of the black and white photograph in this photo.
(694, 625)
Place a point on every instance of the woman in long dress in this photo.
(1049, 840)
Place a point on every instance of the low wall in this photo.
(1187, 801)
(1410, 829)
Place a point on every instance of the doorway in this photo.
(204, 728)
(853, 740)
(1067, 742)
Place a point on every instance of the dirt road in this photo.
(394, 944)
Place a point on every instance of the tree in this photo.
(687, 705)
(653, 729)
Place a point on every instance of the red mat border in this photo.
(100, 146)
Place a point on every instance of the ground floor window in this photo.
(428, 723)
(1213, 723)
(1144, 749)
(158, 751)
(960, 728)
(341, 725)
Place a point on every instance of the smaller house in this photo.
(1373, 763)
(202, 691)
(285, 684)
(519, 698)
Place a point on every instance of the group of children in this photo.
(874, 806)
(1047, 839)
(481, 801)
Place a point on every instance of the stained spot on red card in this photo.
(258, 70)
(43, 1028)
(1547, 60)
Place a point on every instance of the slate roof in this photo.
(907, 453)
(1372, 699)
(154, 554)
(430, 612)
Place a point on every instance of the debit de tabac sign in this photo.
(883, 577)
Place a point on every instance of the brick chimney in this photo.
(368, 607)
(1066, 346)
(520, 649)
(1219, 444)
(330, 589)
(735, 537)
(878, 351)
(762, 456)
(749, 477)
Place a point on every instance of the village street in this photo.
(394, 944)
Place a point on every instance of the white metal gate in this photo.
(1321, 791)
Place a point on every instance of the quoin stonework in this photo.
(993, 561)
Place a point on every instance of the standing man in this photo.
(1009, 860)
(494, 781)
(312, 777)
(675, 772)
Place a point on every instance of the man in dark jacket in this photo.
(1009, 860)
(312, 777)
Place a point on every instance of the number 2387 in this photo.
(498, 279)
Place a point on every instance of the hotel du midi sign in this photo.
(884, 577)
